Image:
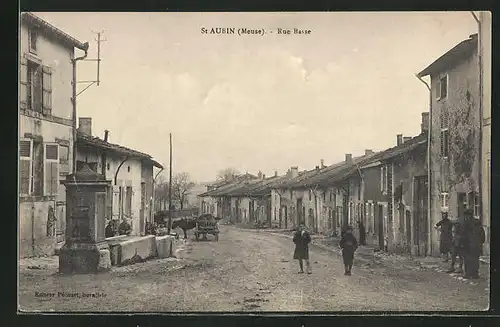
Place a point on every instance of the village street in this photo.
(247, 270)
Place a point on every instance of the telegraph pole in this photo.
(170, 189)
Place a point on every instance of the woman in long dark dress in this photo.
(446, 240)
(302, 239)
(348, 244)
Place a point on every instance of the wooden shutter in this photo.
(25, 166)
(23, 80)
(37, 89)
(51, 168)
(47, 90)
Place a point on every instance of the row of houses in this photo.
(398, 194)
(48, 137)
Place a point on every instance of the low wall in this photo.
(164, 246)
(131, 250)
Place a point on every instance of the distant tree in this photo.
(181, 186)
(161, 193)
(227, 174)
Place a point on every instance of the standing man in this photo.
(302, 239)
(445, 242)
(474, 239)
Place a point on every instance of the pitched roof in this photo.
(33, 20)
(379, 157)
(94, 141)
(331, 172)
(458, 53)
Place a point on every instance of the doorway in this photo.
(408, 230)
(300, 217)
(143, 208)
(380, 226)
(420, 216)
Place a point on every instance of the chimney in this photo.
(400, 139)
(263, 176)
(348, 158)
(259, 175)
(275, 173)
(368, 152)
(425, 122)
(406, 139)
(295, 171)
(85, 125)
(106, 134)
(317, 167)
(322, 164)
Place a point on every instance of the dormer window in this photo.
(33, 40)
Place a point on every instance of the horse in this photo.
(188, 224)
(185, 225)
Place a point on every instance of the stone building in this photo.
(46, 131)
(130, 196)
(455, 135)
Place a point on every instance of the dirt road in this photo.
(246, 270)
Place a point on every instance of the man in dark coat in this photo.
(302, 239)
(124, 228)
(446, 239)
(457, 249)
(474, 237)
(348, 244)
(110, 229)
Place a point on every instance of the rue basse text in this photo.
(286, 31)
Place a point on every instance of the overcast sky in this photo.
(259, 102)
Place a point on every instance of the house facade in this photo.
(131, 173)
(46, 129)
(485, 53)
(455, 141)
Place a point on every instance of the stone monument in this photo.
(85, 250)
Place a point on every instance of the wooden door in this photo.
(380, 226)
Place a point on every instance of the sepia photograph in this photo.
(254, 162)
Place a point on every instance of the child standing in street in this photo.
(348, 244)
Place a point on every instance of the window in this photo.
(63, 159)
(35, 87)
(33, 40)
(359, 191)
(309, 195)
(442, 88)
(25, 166)
(331, 196)
(128, 169)
(34, 91)
(473, 202)
(383, 179)
(445, 139)
(107, 166)
(444, 196)
(324, 196)
(51, 168)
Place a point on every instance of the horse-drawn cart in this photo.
(206, 226)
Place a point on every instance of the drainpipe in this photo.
(33, 228)
(73, 61)
(429, 170)
(480, 63)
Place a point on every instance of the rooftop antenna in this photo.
(98, 60)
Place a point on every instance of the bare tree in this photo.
(161, 193)
(227, 174)
(181, 185)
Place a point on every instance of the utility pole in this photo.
(170, 189)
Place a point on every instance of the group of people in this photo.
(302, 238)
(123, 228)
(462, 239)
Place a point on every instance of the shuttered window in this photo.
(445, 141)
(25, 166)
(35, 87)
(51, 168)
